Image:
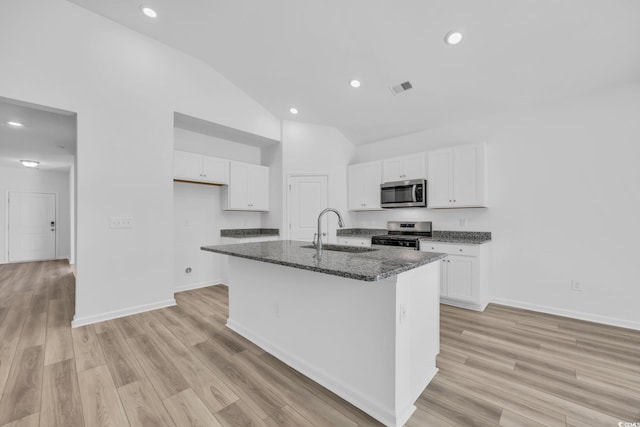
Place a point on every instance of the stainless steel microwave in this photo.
(404, 194)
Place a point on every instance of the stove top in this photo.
(404, 234)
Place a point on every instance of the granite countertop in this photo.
(360, 232)
(384, 262)
(244, 233)
(461, 237)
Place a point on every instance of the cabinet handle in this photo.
(460, 250)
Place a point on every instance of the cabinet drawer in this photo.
(450, 248)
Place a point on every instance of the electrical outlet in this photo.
(463, 222)
(121, 222)
(576, 286)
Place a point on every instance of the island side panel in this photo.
(418, 334)
(339, 332)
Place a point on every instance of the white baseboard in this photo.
(87, 320)
(355, 397)
(613, 321)
(198, 285)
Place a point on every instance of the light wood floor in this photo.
(181, 367)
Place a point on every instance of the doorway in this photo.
(31, 226)
(307, 197)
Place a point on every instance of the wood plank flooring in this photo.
(180, 366)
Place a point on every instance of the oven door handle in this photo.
(415, 192)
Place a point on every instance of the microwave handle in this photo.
(415, 192)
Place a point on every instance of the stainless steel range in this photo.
(404, 234)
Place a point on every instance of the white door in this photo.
(32, 226)
(307, 198)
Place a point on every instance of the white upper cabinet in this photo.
(403, 168)
(199, 168)
(456, 177)
(248, 188)
(364, 186)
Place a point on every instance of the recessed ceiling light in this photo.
(29, 163)
(453, 37)
(149, 12)
(15, 124)
(355, 83)
(293, 110)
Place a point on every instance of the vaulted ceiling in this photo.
(286, 53)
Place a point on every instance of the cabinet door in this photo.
(468, 166)
(392, 170)
(187, 166)
(258, 187)
(371, 185)
(238, 192)
(413, 167)
(461, 277)
(364, 186)
(215, 170)
(440, 179)
(356, 185)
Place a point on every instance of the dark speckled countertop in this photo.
(384, 262)
(461, 237)
(243, 233)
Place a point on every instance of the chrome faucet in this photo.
(318, 242)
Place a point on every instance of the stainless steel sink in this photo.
(343, 248)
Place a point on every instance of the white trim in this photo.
(109, 315)
(355, 397)
(579, 315)
(198, 285)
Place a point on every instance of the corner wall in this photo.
(125, 88)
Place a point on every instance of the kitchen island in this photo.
(363, 324)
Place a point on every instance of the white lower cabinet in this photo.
(354, 241)
(463, 274)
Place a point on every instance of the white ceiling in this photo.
(48, 135)
(298, 53)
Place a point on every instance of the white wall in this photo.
(125, 88)
(204, 144)
(319, 149)
(38, 181)
(563, 202)
(198, 216)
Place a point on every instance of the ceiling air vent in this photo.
(402, 87)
